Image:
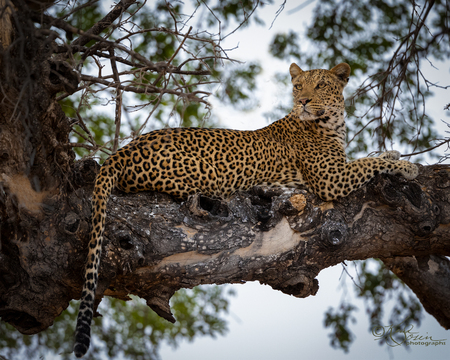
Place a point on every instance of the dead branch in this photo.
(106, 22)
(145, 89)
(428, 276)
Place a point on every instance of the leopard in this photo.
(305, 148)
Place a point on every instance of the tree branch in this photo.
(146, 89)
(429, 277)
(118, 112)
(104, 23)
(155, 246)
(172, 69)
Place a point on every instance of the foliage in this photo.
(168, 34)
(285, 46)
(379, 288)
(129, 330)
(386, 43)
(238, 84)
(341, 336)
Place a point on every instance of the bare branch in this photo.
(92, 148)
(387, 85)
(429, 149)
(146, 89)
(247, 16)
(172, 57)
(118, 113)
(173, 69)
(104, 23)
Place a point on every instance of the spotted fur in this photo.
(306, 147)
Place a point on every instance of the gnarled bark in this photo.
(155, 246)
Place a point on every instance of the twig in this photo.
(78, 8)
(174, 70)
(92, 148)
(429, 149)
(147, 88)
(278, 12)
(243, 22)
(172, 57)
(361, 130)
(81, 122)
(118, 112)
(120, 8)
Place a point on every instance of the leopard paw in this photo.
(408, 170)
(390, 155)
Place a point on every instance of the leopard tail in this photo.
(104, 183)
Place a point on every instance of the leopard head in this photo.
(318, 93)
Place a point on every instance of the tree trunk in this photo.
(155, 246)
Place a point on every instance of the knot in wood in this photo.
(203, 206)
(71, 223)
(412, 204)
(125, 239)
(443, 179)
(395, 192)
(334, 230)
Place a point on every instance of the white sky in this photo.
(267, 324)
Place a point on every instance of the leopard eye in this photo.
(298, 87)
(320, 85)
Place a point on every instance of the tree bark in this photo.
(284, 238)
(155, 246)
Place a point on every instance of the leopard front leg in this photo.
(405, 168)
(351, 176)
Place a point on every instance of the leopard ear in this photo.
(342, 71)
(295, 70)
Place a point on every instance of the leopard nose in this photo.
(304, 101)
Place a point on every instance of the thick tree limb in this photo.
(429, 277)
(155, 246)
